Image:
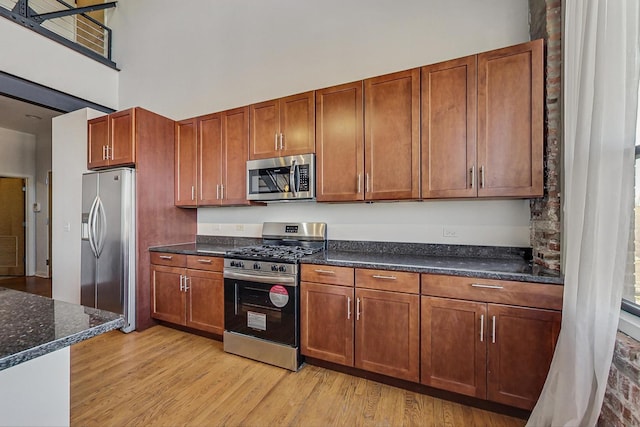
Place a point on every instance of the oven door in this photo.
(262, 307)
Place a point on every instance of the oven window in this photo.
(262, 310)
(269, 180)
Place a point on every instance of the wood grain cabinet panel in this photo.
(387, 333)
(448, 129)
(282, 127)
(510, 121)
(114, 145)
(392, 136)
(520, 351)
(340, 143)
(328, 274)
(454, 345)
(192, 297)
(211, 156)
(326, 325)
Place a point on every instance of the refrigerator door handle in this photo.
(92, 227)
(102, 217)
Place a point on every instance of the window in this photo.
(631, 292)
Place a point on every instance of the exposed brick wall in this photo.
(546, 22)
(621, 406)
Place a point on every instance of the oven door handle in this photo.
(272, 280)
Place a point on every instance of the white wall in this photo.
(69, 162)
(29, 55)
(18, 160)
(43, 166)
(215, 55)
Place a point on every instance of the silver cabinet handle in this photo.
(482, 176)
(181, 283)
(281, 143)
(479, 285)
(473, 176)
(359, 176)
(348, 308)
(166, 257)
(109, 153)
(357, 308)
(325, 271)
(378, 276)
(493, 329)
(275, 141)
(366, 182)
(186, 280)
(193, 192)
(218, 192)
(481, 327)
(221, 191)
(104, 152)
(204, 261)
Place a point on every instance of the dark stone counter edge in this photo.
(190, 249)
(50, 347)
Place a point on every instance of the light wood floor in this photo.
(164, 377)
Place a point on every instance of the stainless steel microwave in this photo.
(282, 178)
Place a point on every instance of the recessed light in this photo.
(33, 116)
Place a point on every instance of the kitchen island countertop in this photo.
(32, 326)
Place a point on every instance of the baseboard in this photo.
(44, 275)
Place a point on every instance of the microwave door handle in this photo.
(292, 178)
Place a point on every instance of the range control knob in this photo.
(274, 267)
(256, 266)
(283, 268)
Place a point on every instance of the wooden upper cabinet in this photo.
(98, 130)
(283, 127)
(235, 137)
(340, 143)
(510, 121)
(185, 163)
(449, 129)
(392, 136)
(209, 159)
(112, 140)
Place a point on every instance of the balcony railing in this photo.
(65, 24)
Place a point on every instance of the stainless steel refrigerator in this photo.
(108, 243)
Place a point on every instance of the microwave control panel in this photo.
(304, 178)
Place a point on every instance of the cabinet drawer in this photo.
(385, 280)
(328, 274)
(173, 260)
(210, 263)
(498, 291)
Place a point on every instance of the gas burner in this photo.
(273, 252)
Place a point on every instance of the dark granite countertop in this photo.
(32, 325)
(486, 262)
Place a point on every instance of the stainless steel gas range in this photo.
(262, 293)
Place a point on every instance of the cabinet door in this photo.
(186, 163)
(326, 325)
(235, 136)
(265, 130)
(510, 121)
(98, 130)
(449, 129)
(387, 333)
(205, 301)
(453, 345)
(340, 143)
(297, 124)
(520, 349)
(167, 297)
(122, 137)
(209, 159)
(392, 136)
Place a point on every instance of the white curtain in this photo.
(600, 109)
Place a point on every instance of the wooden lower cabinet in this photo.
(387, 333)
(491, 351)
(188, 297)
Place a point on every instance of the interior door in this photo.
(12, 219)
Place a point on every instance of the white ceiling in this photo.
(13, 115)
